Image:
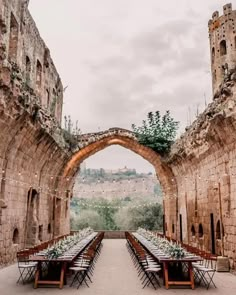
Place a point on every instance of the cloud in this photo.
(159, 46)
(126, 58)
(153, 73)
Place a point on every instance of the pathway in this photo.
(114, 275)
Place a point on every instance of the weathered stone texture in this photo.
(32, 149)
(37, 169)
(26, 59)
(223, 46)
(203, 162)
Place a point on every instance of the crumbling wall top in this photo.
(22, 45)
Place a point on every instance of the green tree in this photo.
(106, 210)
(123, 219)
(157, 132)
(87, 218)
(149, 217)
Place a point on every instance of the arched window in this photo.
(193, 231)
(200, 231)
(27, 68)
(218, 231)
(38, 74)
(15, 238)
(213, 55)
(223, 48)
(13, 39)
(49, 228)
(32, 194)
(173, 228)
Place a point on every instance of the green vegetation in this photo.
(157, 133)
(118, 214)
(149, 217)
(70, 132)
(127, 213)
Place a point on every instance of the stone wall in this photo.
(38, 168)
(203, 162)
(22, 47)
(34, 198)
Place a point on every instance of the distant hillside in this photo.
(94, 175)
(116, 184)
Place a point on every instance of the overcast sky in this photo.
(123, 58)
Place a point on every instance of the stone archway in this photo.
(94, 143)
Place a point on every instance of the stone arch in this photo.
(163, 171)
(97, 142)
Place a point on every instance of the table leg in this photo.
(165, 266)
(63, 270)
(37, 275)
(191, 274)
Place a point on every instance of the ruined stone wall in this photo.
(203, 161)
(34, 198)
(21, 46)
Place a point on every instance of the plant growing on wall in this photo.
(70, 132)
(157, 132)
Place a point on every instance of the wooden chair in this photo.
(26, 268)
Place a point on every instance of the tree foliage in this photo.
(126, 214)
(87, 218)
(149, 217)
(157, 132)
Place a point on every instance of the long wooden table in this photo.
(63, 261)
(189, 262)
(167, 261)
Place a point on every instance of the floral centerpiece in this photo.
(169, 248)
(65, 244)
